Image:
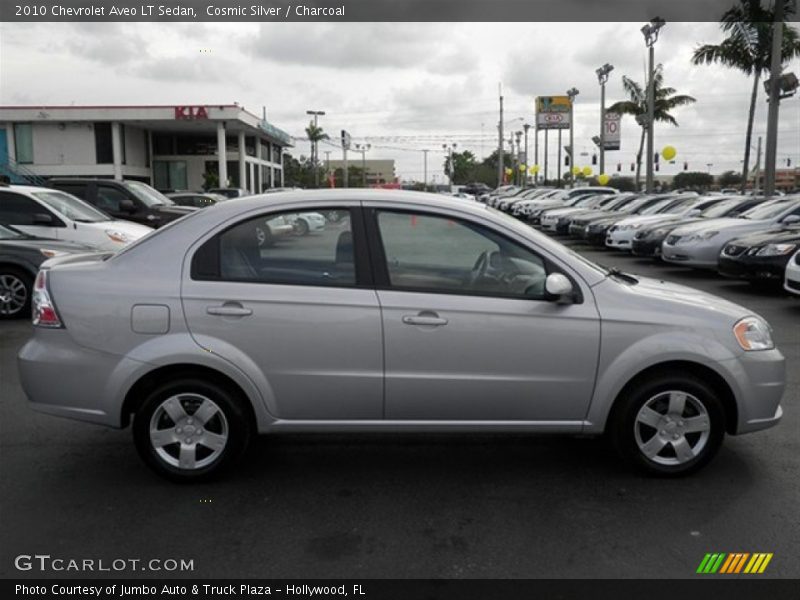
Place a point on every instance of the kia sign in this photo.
(190, 113)
(612, 129)
(552, 112)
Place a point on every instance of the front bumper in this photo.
(646, 247)
(691, 255)
(620, 241)
(753, 268)
(761, 380)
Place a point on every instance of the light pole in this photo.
(572, 94)
(314, 145)
(449, 148)
(650, 32)
(602, 78)
(526, 127)
(363, 149)
(774, 91)
(425, 169)
(518, 135)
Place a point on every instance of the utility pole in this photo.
(526, 127)
(650, 32)
(545, 155)
(572, 94)
(425, 170)
(328, 164)
(774, 100)
(363, 149)
(518, 173)
(559, 159)
(602, 78)
(758, 167)
(315, 145)
(500, 166)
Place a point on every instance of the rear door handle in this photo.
(229, 309)
(430, 319)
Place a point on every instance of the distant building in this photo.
(785, 179)
(379, 172)
(170, 147)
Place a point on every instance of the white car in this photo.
(792, 281)
(49, 213)
(620, 235)
(307, 222)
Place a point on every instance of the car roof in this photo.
(27, 188)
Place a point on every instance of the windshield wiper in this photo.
(615, 272)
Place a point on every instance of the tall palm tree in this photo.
(636, 105)
(748, 48)
(314, 133)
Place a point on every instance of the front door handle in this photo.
(429, 319)
(229, 309)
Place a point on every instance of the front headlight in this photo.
(753, 333)
(776, 249)
(118, 236)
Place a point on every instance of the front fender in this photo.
(618, 366)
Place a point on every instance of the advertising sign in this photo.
(612, 131)
(552, 112)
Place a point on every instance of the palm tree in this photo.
(665, 101)
(748, 48)
(314, 134)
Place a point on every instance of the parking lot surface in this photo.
(414, 505)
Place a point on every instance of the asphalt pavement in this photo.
(421, 505)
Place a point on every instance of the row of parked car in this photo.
(747, 237)
(79, 215)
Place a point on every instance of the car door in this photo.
(299, 314)
(29, 216)
(469, 331)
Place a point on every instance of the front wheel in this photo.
(190, 429)
(671, 425)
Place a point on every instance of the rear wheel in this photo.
(191, 429)
(15, 293)
(670, 425)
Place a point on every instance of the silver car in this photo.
(699, 244)
(410, 312)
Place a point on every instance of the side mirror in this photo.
(42, 219)
(791, 220)
(558, 286)
(127, 206)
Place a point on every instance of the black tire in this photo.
(236, 423)
(301, 227)
(623, 427)
(13, 274)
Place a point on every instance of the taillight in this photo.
(44, 312)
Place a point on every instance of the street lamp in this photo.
(363, 149)
(448, 149)
(571, 94)
(602, 78)
(314, 145)
(518, 135)
(526, 127)
(650, 32)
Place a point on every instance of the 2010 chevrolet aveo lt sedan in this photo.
(406, 311)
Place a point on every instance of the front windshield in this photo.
(677, 207)
(766, 211)
(71, 207)
(148, 195)
(720, 208)
(656, 208)
(7, 233)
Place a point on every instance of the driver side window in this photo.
(435, 254)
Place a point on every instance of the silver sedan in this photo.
(408, 312)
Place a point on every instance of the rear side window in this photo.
(109, 198)
(309, 247)
(16, 209)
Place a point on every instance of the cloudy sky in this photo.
(401, 87)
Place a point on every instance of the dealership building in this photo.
(169, 147)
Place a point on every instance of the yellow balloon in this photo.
(668, 152)
(576, 170)
(587, 171)
(603, 179)
(522, 168)
(535, 169)
(508, 171)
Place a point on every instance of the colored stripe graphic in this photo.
(717, 564)
(729, 563)
(741, 563)
(733, 563)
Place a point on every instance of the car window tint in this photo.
(296, 248)
(437, 254)
(109, 198)
(16, 209)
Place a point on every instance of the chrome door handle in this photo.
(229, 310)
(431, 320)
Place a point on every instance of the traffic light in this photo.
(619, 167)
(633, 167)
(594, 159)
(656, 167)
(566, 161)
(685, 166)
(788, 162)
(655, 158)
